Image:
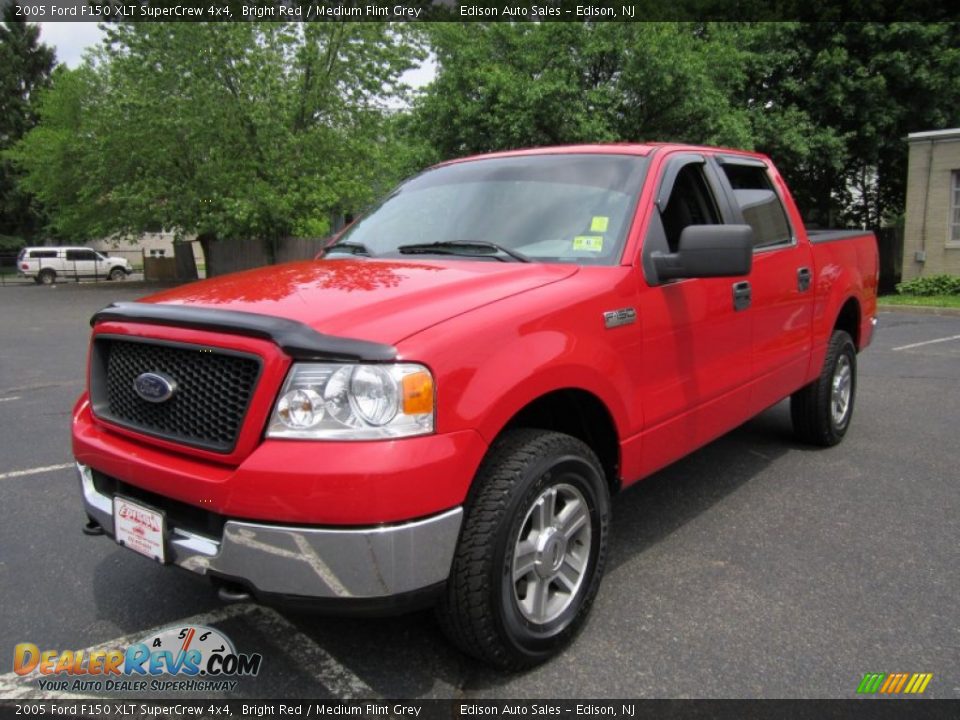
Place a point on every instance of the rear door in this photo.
(696, 343)
(782, 280)
(37, 260)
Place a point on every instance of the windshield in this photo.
(572, 208)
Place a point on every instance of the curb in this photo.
(920, 309)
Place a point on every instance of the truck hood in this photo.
(377, 300)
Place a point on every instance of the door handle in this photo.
(803, 279)
(742, 295)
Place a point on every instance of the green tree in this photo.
(239, 130)
(505, 85)
(25, 66)
(830, 102)
(834, 102)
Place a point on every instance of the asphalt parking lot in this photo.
(756, 567)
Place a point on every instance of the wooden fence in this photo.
(227, 256)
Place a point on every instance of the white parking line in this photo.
(306, 653)
(34, 471)
(928, 342)
(15, 397)
(325, 669)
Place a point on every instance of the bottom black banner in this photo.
(874, 709)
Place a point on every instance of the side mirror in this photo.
(708, 251)
(325, 243)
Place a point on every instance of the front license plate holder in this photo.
(140, 528)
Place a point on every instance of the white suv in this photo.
(46, 264)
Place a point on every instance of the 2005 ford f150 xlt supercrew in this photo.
(438, 410)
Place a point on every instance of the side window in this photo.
(81, 255)
(43, 253)
(760, 204)
(690, 203)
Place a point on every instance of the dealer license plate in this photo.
(139, 528)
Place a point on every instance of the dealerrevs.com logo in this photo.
(190, 658)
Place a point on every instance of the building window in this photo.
(955, 208)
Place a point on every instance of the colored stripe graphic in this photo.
(894, 683)
(871, 682)
(903, 679)
(923, 682)
(890, 682)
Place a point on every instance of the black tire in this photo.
(812, 407)
(481, 611)
(118, 273)
(47, 277)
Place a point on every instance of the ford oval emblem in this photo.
(154, 387)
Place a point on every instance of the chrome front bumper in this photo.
(375, 562)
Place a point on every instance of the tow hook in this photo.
(92, 527)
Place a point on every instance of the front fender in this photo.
(552, 360)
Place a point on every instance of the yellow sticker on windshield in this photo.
(599, 223)
(589, 243)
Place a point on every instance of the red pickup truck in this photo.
(439, 409)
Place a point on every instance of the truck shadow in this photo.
(408, 656)
(646, 513)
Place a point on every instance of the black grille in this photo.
(213, 390)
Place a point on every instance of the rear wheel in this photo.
(531, 551)
(48, 277)
(822, 410)
(118, 273)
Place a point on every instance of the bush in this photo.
(933, 285)
(11, 242)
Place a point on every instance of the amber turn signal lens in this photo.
(417, 393)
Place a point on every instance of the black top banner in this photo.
(480, 10)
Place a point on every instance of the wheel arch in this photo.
(848, 319)
(581, 414)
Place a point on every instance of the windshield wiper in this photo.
(351, 248)
(456, 247)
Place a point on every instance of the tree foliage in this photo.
(232, 130)
(266, 129)
(25, 66)
(508, 85)
(831, 102)
(854, 91)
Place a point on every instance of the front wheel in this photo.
(822, 410)
(118, 273)
(531, 551)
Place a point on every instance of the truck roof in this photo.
(622, 148)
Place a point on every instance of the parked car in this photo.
(47, 264)
(439, 410)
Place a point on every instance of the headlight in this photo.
(332, 401)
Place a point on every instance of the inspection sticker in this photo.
(590, 243)
(599, 223)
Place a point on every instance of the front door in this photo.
(697, 343)
(81, 262)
